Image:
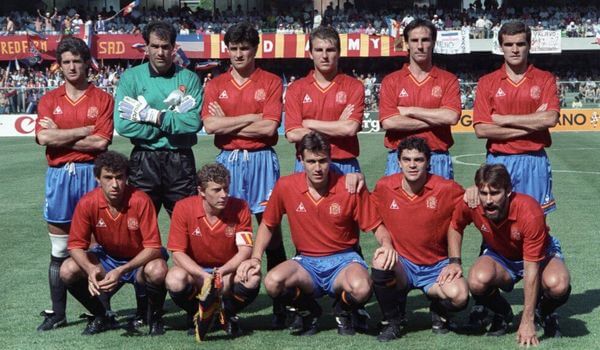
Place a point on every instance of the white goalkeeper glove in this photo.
(180, 102)
(186, 104)
(139, 111)
(174, 99)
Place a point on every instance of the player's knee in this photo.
(556, 285)
(155, 271)
(176, 280)
(361, 288)
(274, 282)
(479, 281)
(70, 271)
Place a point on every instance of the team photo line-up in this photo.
(101, 207)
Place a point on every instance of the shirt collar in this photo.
(103, 203)
(528, 72)
(332, 179)
(311, 77)
(434, 72)
(397, 182)
(62, 90)
(168, 74)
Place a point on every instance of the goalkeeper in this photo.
(157, 107)
(210, 235)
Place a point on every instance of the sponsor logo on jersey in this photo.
(335, 209)
(535, 92)
(307, 99)
(341, 97)
(436, 91)
(516, 235)
(301, 208)
(403, 93)
(57, 110)
(500, 93)
(223, 95)
(394, 205)
(92, 112)
(101, 223)
(230, 230)
(182, 88)
(431, 202)
(260, 95)
(484, 228)
(132, 224)
(197, 232)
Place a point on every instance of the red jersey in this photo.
(93, 108)
(401, 89)
(325, 226)
(261, 93)
(305, 99)
(523, 235)
(123, 236)
(418, 224)
(209, 245)
(497, 94)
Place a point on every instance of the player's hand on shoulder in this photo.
(471, 197)
(355, 182)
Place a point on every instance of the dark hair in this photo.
(417, 143)
(162, 30)
(75, 46)
(214, 172)
(493, 175)
(325, 33)
(242, 33)
(314, 142)
(513, 28)
(419, 22)
(112, 161)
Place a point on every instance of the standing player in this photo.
(324, 221)
(417, 208)
(158, 109)
(122, 220)
(420, 100)
(328, 102)
(516, 245)
(242, 107)
(75, 124)
(211, 233)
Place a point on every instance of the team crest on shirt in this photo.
(182, 88)
(197, 232)
(436, 91)
(306, 99)
(230, 230)
(223, 95)
(535, 92)
(394, 205)
(133, 224)
(500, 93)
(301, 208)
(403, 93)
(92, 112)
(260, 95)
(341, 97)
(57, 110)
(101, 223)
(484, 228)
(431, 202)
(516, 235)
(335, 209)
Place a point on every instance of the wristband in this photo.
(455, 260)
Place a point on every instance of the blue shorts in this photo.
(345, 166)
(110, 263)
(323, 270)
(440, 164)
(65, 185)
(253, 175)
(530, 174)
(515, 268)
(421, 276)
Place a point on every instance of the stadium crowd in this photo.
(482, 19)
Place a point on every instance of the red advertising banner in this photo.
(209, 46)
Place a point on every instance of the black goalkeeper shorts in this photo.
(165, 175)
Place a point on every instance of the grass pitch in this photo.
(25, 254)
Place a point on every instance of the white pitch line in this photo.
(456, 160)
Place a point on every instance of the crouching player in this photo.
(324, 219)
(516, 245)
(417, 208)
(123, 221)
(211, 233)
